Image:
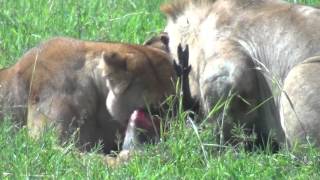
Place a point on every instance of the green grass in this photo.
(25, 23)
(179, 157)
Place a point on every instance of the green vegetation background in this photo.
(24, 23)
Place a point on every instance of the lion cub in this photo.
(83, 87)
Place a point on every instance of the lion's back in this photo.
(34, 71)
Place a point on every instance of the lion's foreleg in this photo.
(229, 80)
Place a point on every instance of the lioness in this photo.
(245, 49)
(83, 87)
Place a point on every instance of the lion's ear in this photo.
(163, 38)
(115, 60)
(114, 68)
(111, 62)
(159, 42)
(168, 10)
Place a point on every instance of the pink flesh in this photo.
(142, 120)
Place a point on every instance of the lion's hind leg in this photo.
(58, 113)
(300, 103)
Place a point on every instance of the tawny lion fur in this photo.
(248, 48)
(83, 87)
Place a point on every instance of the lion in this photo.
(85, 88)
(244, 50)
